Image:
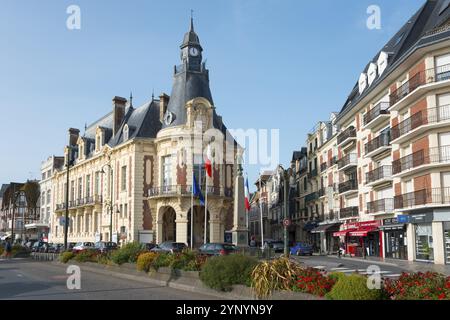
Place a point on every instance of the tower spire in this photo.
(131, 98)
(192, 20)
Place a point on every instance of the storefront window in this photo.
(424, 242)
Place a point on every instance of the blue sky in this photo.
(282, 64)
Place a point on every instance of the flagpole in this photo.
(192, 205)
(206, 205)
(261, 211)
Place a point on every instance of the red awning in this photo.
(342, 233)
(362, 232)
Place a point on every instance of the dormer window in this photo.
(362, 83)
(372, 73)
(99, 138)
(126, 132)
(382, 62)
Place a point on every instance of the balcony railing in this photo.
(96, 199)
(379, 109)
(321, 192)
(433, 196)
(312, 173)
(423, 77)
(332, 215)
(332, 161)
(421, 157)
(175, 190)
(381, 205)
(348, 185)
(323, 166)
(348, 159)
(350, 132)
(311, 197)
(382, 140)
(379, 173)
(418, 119)
(349, 212)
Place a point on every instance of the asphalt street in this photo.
(28, 279)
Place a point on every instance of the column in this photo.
(215, 231)
(181, 232)
(411, 237)
(438, 242)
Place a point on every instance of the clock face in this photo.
(193, 52)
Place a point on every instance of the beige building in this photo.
(139, 162)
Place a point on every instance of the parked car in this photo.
(168, 246)
(45, 246)
(104, 247)
(302, 249)
(37, 246)
(217, 249)
(276, 245)
(82, 246)
(29, 244)
(148, 246)
(56, 248)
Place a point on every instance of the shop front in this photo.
(395, 240)
(328, 243)
(312, 238)
(423, 233)
(362, 238)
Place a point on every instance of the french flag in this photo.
(208, 162)
(247, 195)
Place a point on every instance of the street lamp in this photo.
(111, 198)
(285, 176)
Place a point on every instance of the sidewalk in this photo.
(411, 266)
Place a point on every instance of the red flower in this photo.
(442, 296)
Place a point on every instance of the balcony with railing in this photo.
(348, 186)
(311, 196)
(379, 175)
(81, 202)
(348, 161)
(421, 121)
(380, 206)
(376, 115)
(323, 166)
(332, 161)
(422, 159)
(312, 173)
(349, 212)
(321, 192)
(378, 145)
(433, 75)
(346, 136)
(184, 190)
(425, 198)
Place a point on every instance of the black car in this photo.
(104, 247)
(44, 247)
(148, 246)
(217, 249)
(56, 248)
(168, 246)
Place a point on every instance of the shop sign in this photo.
(421, 217)
(403, 218)
(365, 224)
(387, 222)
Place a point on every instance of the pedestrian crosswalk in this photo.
(383, 273)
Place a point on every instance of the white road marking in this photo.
(19, 275)
(393, 275)
(319, 267)
(335, 269)
(348, 271)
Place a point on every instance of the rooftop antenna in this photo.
(85, 128)
(131, 98)
(153, 94)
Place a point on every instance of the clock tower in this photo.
(191, 50)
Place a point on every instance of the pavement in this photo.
(29, 279)
(387, 269)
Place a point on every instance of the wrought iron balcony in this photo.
(383, 172)
(321, 192)
(424, 117)
(311, 196)
(380, 206)
(423, 77)
(424, 197)
(348, 185)
(378, 110)
(332, 161)
(312, 173)
(422, 157)
(349, 212)
(349, 160)
(183, 190)
(323, 166)
(382, 140)
(347, 134)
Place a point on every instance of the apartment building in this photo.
(394, 146)
(260, 206)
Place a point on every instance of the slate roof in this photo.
(412, 35)
(2, 189)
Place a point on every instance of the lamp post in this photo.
(111, 199)
(66, 214)
(285, 175)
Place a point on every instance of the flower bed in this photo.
(314, 282)
(418, 286)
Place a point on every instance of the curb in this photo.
(366, 261)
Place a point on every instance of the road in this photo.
(28, 279)
(331, 264)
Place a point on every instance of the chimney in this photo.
(73, 136)
(163, 102)
(119, 104)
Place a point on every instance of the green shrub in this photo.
(1, 250)
(222, 272)
(66, 256)
(128, 253)
(86, 256)
(162, 260)
(18, 250)
(353, 287)
(103, 258)
(145, 261)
